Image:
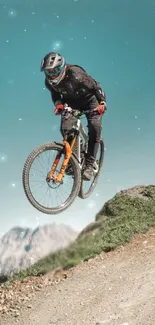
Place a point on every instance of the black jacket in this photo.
(76, 89)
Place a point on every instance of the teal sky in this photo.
(114, 42)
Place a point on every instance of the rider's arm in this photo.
(56, 97)
(86, 81)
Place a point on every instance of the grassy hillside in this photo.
(127, 213)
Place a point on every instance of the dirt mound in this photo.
(115, 288)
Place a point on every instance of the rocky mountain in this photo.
(22, 247)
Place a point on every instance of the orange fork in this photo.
(68, 153)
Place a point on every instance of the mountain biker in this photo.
(70, 84)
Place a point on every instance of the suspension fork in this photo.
(68, 153)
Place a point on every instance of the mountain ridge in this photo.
(21, 247)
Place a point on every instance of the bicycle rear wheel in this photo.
(56, 191)
(85, 190)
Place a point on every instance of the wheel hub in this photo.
(52, 183)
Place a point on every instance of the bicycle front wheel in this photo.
(49, 197)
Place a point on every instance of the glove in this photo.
(101, 108)
(58, 109)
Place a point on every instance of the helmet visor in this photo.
(53, 73)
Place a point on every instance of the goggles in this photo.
(54, 72)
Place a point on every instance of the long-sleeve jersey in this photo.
(76, 89)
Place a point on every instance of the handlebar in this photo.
(77, 113)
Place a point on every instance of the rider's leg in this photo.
(94, 132)
(65, 127)
(67, 122)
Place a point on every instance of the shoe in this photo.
(88, 172)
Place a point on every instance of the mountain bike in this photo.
(65, 154)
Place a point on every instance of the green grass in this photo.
(119, 219)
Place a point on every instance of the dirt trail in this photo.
(117, 288)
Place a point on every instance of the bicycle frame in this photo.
(68, 152)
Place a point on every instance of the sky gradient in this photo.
(114, 42)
